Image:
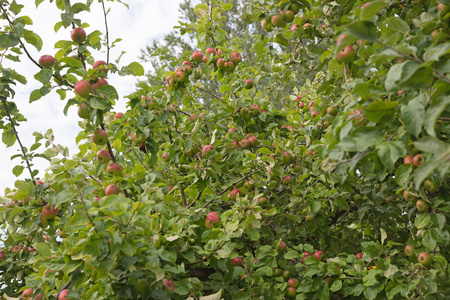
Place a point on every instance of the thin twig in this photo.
(85, 210)
(63, 288)
(107, 32)
(183, 196)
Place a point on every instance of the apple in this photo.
(278, 21)
(118, 115)
(365, 4)
(444, 8)
(235, 144)
(263, 201)
(281, 246)
(291, 292)
(232, 130)
(359, 255)
(417, 160)
(290, 16)
(220, 63)
(187, 70)
(46, 61)
(112, 189)
(207, 150)
(409, 250)
(408, 196)
(38, 297)
(78, 35)
(197, 56)
(245, 143)
(248, 84)
(229, 66)
(233, 194)
(286, 274)
(346, 55)
(318, 255)
(166, 157)
(101, 65)
(138, 139)
(254, 108)
(26, 294)
(245, 112)
(314, 114)
(100, 137)
(211, 218)
(292, 283)
(101, 82)
(236, 57)
(286, 158)
(278, 272)
(253, 140)
(408, 160)
(266, 25)
(103, 156)
(295, 7)
(114, 169)
(430, 186)
(287, 179)
(2, 254)
(211, 51)
(84, 111)
(169, 285)
(238, 261)
(297, 168)
(424, 258)
(84, 88)
(16, 249)
(294, 27)
(421, 205)
(332, 111)
(38, 182)
(49, 212)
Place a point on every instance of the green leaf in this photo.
(435, 53)
(8, 137)
(429, 144)
(33, 39)
(280, 39)
(390, 152)
(436, 108)
(336, 286)
(380, 111)
(264, 271)
(370, 10)
(291, 254)
(215, 296)
(110, 92)
(428, 240)
(17, 170)
(134, 68)
(363, 30)
(422, 220)
(366, 137)
(398, 24)
(413, 115)
(402, 174)
(43, 249)
(129, 246)
(35, 95)
(44, 75)
(64, 196)
(201, 10)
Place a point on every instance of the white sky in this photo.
(145, 21)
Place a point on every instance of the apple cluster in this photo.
(280, 18)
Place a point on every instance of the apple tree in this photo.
(314, 166)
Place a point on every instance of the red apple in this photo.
(49, 212)
(169, 285)
(101, 65)
(248, 84)
(318, 255)
(197, 56)
(220, 63)
(112, 190)
(46, 61)
(286, 158)
(118, 115)
(254, 108)
(235, 144)
(359, 255)
(26, 294)
(292, 283)
(253, 140)
(408, 160)
(233, 194)
(78, 35)
(236, 57)
(229, 66)
(408, 196)
(207, 150)
(421, 205)
(314, 114)
(165, 156)
(211, 218)
(417, 160)
(211, 51)
(365, 4)
(63, 295)
(84, 88)
(103, 156)
(424, 258)
(346, 55)
(101, 82)
(245, 143)
(114, 169)
(409, 250)
(278, 21)
(138, 139)
(281, 246)
(100, 137)
(16, 249)
(291, 292)
(287, 179)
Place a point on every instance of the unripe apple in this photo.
(318, 255)
(408, 196)
(238, 261)
(421, 205)
(211, 51)
(294, 7)
(100, 137)
(46, 61)
(290, 16)
(165, 157)
(245, 112)
(408, 160)
(346, 55)
(424, 258)
(281, 246)
(286, 274)
(359, 255)
(112, 189)
(197, 56)
(245, 143)
(417, 160)
(169, 285)
(84, 111)
(138, 138)
(236, 57)
(286, 158)
(332, 111)
(84, 88)
(253, 141)
(291, 292)
(278, 21)
(26, 294)
(263, 201)
(78, 35)
(248, 84)
(101, 82)
(430, 186)
(297, 168)
(141, 285)
(103, 156)
(266, 25)
(229, 66)
(208, 149)
(409, 250)
(114, 169)
(287, 179)
(233, 194)
(49, 212)
(278, 272)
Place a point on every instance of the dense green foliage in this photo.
(343, 186)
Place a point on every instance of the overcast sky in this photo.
(138, 26)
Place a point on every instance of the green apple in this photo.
(100, 137)
(421, 205)
(430, 186)
(84, 111)
(278, 21)
(138, 139)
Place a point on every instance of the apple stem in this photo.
(183, 196)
